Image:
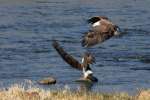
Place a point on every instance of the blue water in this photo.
(28, 26)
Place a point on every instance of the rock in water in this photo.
(88, 79)
(47, 81)
(83, 80)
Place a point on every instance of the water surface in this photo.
(28, 26)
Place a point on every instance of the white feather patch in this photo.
(96, 24)
(87, 73)
(82, 60)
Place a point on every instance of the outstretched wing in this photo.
(66, 57)
(97, 18)
(98, 34)
(91, 38)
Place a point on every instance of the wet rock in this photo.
(83, 80)
(47, 81)
(88, 79)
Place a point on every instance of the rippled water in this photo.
(28, 26)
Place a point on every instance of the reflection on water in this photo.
(28, 26)
(85, 86)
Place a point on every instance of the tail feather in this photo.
(66, 57)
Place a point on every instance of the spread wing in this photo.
(66, 57)
(104, 26)
(98, 34)
(96, 18)
(90, 38)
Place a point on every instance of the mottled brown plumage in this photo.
(84, 66)
(88, 58)
(101, 31)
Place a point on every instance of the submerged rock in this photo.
(47, 81)
(83, 80)
(89, 79)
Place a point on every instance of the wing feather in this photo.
(66, 57)
(90, 39)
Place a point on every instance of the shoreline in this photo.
(17, 92)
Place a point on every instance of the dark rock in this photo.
(83, 80)
(47, 81)
(88, 79)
